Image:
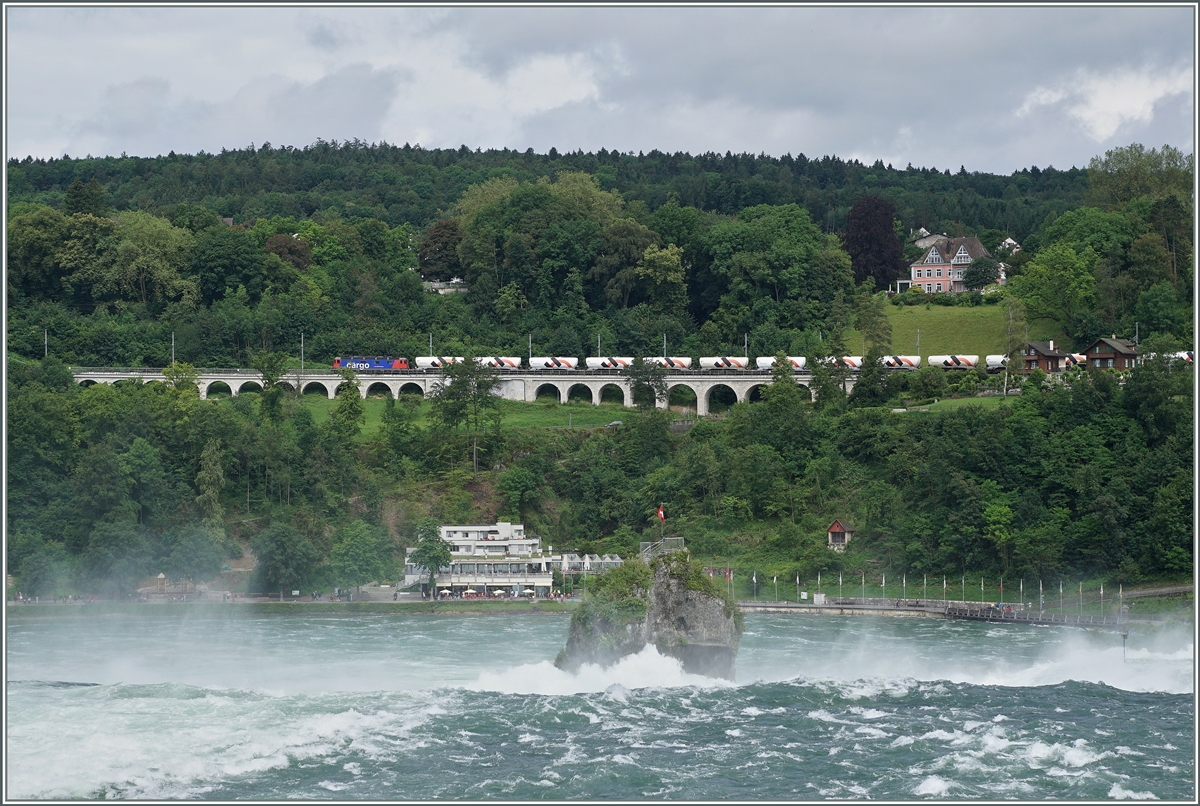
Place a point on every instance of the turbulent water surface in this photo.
(383, 706)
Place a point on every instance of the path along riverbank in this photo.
(970, 611)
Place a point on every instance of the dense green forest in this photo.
(108, 258)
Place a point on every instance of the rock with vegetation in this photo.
(670, 603)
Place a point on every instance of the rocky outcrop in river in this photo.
(671, 604)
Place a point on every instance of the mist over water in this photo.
(387, 707)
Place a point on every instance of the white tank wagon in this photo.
(1076, 360)
(436, 362)
(902, 361)
(723, 362)
(600, 362)
(1186, 357)
(499, 362)
(995, 363)
(954, 361)
(767, 362)
(673, 362)
(853, 362)
(553, 362)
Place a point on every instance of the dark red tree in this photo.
(437, 256)
(290, 250)
(871, 241)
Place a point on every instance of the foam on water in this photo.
(866, 661)
(855, 712)
(645, 669)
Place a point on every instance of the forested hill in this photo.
(412, 185)
(110, 257)
(120, 261)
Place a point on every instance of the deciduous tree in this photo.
(431, 552)
(285, 558)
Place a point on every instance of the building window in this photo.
(939, 285)
(962, 256)
(920, 273)
(933, 257)
(939, 272)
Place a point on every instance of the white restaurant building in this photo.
(501, 558)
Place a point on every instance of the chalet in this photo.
(1113, 353)
(940, 268)
(1044, 356)
(839, 535)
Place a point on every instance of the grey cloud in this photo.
(951, 77)
(349, 102)
(320, 36)
(934, 85)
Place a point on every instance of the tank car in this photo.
(902, 361)
(767, 362)
(1186, 357)
(995, 363)
(553, 362)
(499, 362)
(436, 362)
(609, 363)
(954, 361)
(673, 362)
(723, 362)
(848, 361)
(1076, 360)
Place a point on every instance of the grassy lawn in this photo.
(976, 330)
(957, 403)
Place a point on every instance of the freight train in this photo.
(382, 364)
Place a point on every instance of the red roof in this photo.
(837, 526)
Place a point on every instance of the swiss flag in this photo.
(661, 516)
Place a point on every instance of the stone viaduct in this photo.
(521, 385)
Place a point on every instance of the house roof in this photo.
(839, 526)
(1126, 346)
(1043, 348)
(948, 248)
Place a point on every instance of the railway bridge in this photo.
(520, 385)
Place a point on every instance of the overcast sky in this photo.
(994, 89)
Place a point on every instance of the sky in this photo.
(992, 89)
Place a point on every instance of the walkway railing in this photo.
(665, 546)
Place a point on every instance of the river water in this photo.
(395, 706)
